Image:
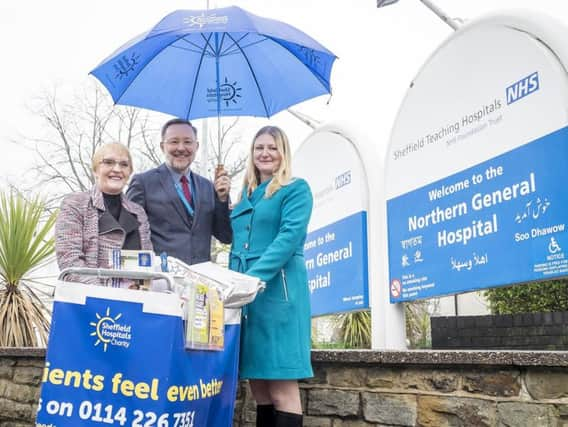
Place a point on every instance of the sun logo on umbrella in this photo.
(230, 92)
(102, 324)
(125, 65)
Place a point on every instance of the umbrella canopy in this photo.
(220, 62)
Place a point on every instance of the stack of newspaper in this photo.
(235, 289)
(207, 289)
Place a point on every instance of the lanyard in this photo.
(188, 207)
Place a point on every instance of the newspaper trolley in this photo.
(122, 357)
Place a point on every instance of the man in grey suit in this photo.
(184, 208)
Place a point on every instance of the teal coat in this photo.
(268, 241)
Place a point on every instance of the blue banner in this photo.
(498, 223)
(336, 260)
(113, 362)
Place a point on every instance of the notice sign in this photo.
(476, 169)
(336, 245)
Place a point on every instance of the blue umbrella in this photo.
(219, 62)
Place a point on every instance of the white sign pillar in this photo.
(345, 171)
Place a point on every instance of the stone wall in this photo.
(428, 388)
(20, 377)
(372, 388)
(535, 331)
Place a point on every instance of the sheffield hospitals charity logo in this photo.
(107, 331)
(229, 92)
(203, 20)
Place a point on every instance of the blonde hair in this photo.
(280, 177)
(105, 148)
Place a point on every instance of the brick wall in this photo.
(528, 331)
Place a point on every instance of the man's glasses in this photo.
(111, 163)
(177, 143)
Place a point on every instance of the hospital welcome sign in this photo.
(336, 246)
(476, 173)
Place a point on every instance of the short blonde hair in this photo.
(105, 148)
(283, 175)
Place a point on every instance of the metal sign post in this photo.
(452, 22)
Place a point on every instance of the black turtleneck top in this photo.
(113, 204)
(121, 218)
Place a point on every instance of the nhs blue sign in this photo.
(522, 88)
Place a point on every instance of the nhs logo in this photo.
(522, 88)
(343, 180)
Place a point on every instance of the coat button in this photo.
(246, 246)
(248, 227)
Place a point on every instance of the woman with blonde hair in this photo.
(269, 229)
(93, 223)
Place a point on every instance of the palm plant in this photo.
(25, 246)
(417, 314)
(355, 329)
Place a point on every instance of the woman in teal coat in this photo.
(269, 229)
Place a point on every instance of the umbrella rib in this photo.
(199, 48)
(221, 44)
(197, 74)
(208, 44)
(187, 50)
(253, 75)
(231, 50)
(231, 46)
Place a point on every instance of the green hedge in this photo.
(550, 295)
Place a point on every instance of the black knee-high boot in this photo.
(265, 415)
(287, 419)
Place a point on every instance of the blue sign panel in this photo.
(336, 260)
(109, 363)
(497, 223)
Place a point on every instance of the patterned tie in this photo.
(185, 188)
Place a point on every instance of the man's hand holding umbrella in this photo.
(222, 185)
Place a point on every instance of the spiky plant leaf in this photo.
(25, 245)
(356, 329)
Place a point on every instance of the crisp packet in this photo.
(197, 317)
(216, 321)
(204, 318)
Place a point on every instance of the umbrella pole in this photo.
(203, 147)
(218, 139)
(218, 98)
(220, 168)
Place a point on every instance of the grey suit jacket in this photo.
(172, 228)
